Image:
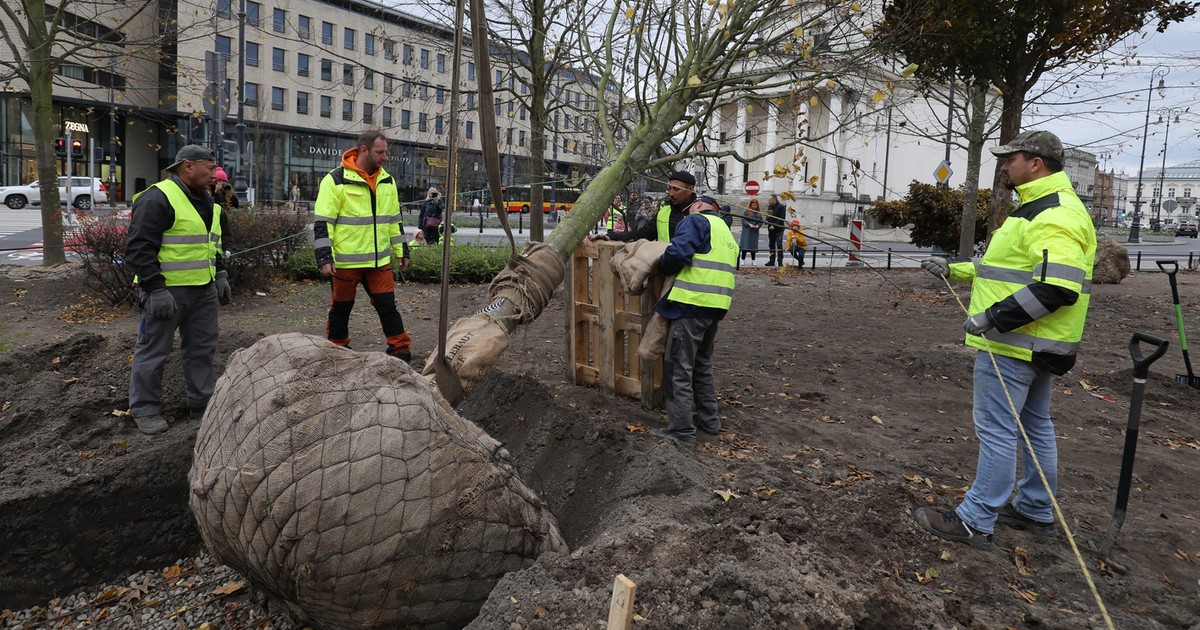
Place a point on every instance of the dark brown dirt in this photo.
(847, 402)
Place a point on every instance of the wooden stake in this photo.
(620, 609)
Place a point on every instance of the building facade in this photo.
(317, 73)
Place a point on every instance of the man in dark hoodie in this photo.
(174, 250)
(680, 195)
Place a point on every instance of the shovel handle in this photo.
(1162, 266)
(1141, 366)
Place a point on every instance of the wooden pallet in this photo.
(605, 327)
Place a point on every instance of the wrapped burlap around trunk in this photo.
(517, 296)
(344, 486)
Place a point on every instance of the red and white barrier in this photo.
(856, 230)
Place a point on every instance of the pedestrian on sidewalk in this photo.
(797, 245)
(751, 222)
(776, 226)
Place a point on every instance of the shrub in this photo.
(469, 264)
(261, 240)
(100, 245)
(935, 214)
(302, 265)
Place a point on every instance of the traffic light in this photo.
(60, 146)
(76, 147)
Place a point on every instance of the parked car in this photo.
(1186, 229)
(17, 197)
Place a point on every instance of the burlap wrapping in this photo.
(636, 264)
(517, 296)
(344, 486)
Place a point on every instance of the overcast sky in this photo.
(1104, 112)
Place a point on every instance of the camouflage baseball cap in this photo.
(1041, 143)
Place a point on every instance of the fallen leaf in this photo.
(1168, 580)
(945, 556)
(230, 588)
(109, 593)
(120, 413)
(207, 626)
(1067, 392)
(877, 420)
(1023, 560)
(70, 381)
(726, 494)
(1182, 555)
(512, 600)
(86, 454)
(172, 574)
(5, 406)
(636, 428)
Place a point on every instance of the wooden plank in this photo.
(605, 290)
(569, 317)
(580, 282)
(630, 387)
(650, 372)
(620, 608)
(587, 375)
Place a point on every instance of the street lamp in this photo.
(1160, 72)
(1168, 112)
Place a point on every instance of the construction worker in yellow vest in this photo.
(1029, 299)
(703, 255)
(356, 234)
(442, 237)
(174, 250)
(680, 195)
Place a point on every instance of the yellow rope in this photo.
(1087, 576)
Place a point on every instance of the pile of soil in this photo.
(846, 402)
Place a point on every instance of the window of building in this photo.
(348, 37)
(521, 113)
(252, 94)
(470, 130)
(497, 106)
(279, 21)
(223, 45)
(524, 87)
(422, 122)
(1171, 192)
(302, 61)
(347, 109)
(424, 92)
(407, 91)
(724, 137)
(304, 26)
(389, 49)
(499, 77)
(389, 83)
(470, 100)
(253, 14)
(278, 60)
(387, 116)
(1187, 193)
(326, 69)
(224, 9)
(368, 78)
(327, 33)
(368, 114)
(278, 95)
(347, 74)
(566, 121)
(405, 119)
(424, 59)
(568, 101)
(510, 109)
(438, 125)
(252, 54)
(408, 54)
(470, 70)
(302, 102)
(747, 136)
(512, 81)
(1156, 192)
(326, 106)
(369, 44)
(521, 137)
(441, 63)
(440, 95)
(508, 135)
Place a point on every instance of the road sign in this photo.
(216, 102)
(1170, 205)
(943, 172)
(752, 187)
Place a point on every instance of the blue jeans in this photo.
(999, 438)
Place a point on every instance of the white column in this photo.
(713, 144)
(739, 144)
(771, 142)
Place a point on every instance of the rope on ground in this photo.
(1058, 512)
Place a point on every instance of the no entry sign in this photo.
(752, 187)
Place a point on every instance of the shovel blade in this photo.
(1190, 381)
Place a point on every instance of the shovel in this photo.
(1141, 369)
(1190, 379)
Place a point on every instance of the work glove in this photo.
(978, 324)
(223, 290)
(160, 304)
(937, 266)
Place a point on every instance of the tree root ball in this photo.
(344, 486)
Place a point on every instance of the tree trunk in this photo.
(1010, 126)
(976, 125)
(537, 119)
(41, 100)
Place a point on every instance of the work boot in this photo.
(686, 442)
(1009, 515)
(947, 525)
(151, 425)
(196, 409)
(771, 261)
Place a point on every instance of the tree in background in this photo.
(1010, 45)
(935, 213)
(42, 39)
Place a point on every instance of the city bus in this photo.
(516, 198)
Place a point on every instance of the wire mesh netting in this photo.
(345, 487)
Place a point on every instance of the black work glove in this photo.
(160, 304)
(223, 290)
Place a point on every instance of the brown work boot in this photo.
(947, 525)
(1009, 515)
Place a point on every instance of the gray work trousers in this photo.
(196, 319)
(692, 397)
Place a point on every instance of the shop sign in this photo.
(77, 127)
(437, 162)
(331, 151)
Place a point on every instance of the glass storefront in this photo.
(18, 162)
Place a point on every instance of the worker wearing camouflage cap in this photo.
(1029, 299)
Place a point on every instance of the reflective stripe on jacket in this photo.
(1035, 280)
(188, 255)
(362, 225)
(709, 281)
